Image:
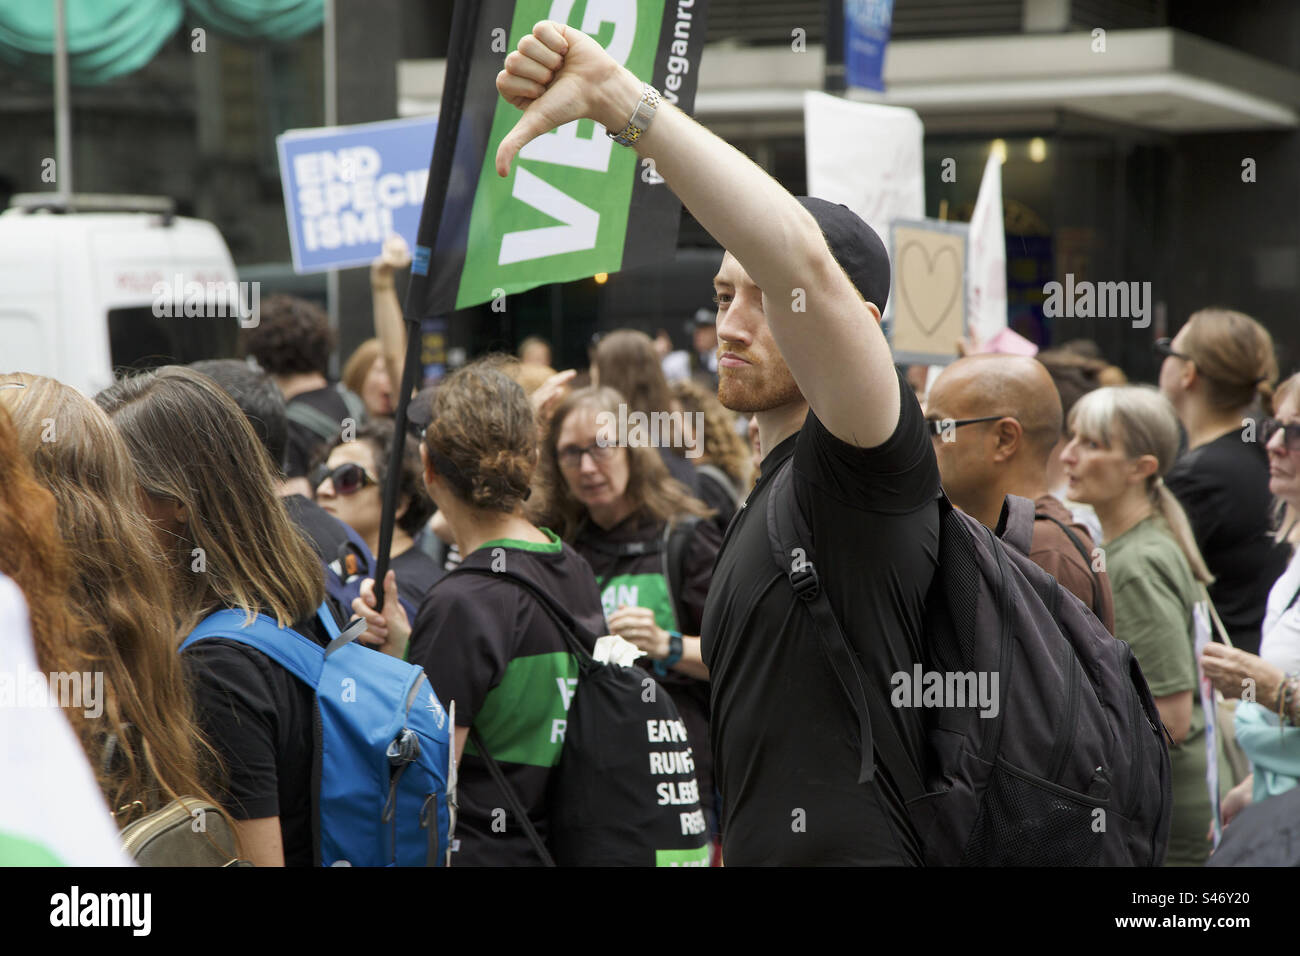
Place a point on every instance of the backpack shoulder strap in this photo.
(512, 798)
(568, 627)
(1083, 552)
(356, 407)
(1016, 525)
(1074, 538)
(677, 541)
(313, 419)
(720, 477)
(790, 541)
(296, 653)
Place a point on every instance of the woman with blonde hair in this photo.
(210, 488)
(1267, 720)
(1123, 441)
(641, 532)
(1218, 372)
(147, 750)
(365, 374)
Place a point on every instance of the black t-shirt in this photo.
(638, 580)
(1223, 487)
(262, 722)
(786, 746)
(304, 444)
(416, 574)
(488, 645)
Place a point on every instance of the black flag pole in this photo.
(464, 25)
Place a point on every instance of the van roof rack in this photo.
(92, 202)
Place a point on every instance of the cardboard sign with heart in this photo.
(929, 258)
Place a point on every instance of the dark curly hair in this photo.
(293, 335)
(410, 488)
(482, 438)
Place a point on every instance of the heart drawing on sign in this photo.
(924, 287)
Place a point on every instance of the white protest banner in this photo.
(986, 273)
(867, 157)
(1201, 618)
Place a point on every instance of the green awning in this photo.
(107, 38)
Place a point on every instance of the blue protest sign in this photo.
(347, 188)
(866, 34)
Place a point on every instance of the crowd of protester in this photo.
(1158, 494)
(126, 519)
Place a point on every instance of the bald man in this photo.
(994, 422)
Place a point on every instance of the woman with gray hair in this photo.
(1123, 440)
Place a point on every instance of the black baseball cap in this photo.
(419, 413)
(855, 246)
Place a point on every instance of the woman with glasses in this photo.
(1268, 718)
(1123, 440)
(641, 532)
(1218, 372)
(349, 485)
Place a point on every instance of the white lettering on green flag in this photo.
(562, 213)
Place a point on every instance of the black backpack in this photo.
(624, 792)
(1071, 771)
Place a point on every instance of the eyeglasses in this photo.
(1164, 350)
(937, 426)
(347, 479)
(1291, 433)
(570, 456)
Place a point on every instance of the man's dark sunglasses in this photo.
(347, 479)
(1291, 433)
(1164, 349)
(937, 426)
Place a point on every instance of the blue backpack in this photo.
(383, 766)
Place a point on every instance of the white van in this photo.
(82, 279)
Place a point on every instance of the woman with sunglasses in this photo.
(1268, 718)
(1123, 440)
(1218, 372)
(622, 511)
(349, 485)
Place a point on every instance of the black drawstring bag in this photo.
(624, 793)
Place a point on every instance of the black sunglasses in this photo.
(937, 426)
(1290, 433)
(347, 479)
(1164, 349)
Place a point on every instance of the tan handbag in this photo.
(186, 832)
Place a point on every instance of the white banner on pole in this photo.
(867, 157)
(986, 273)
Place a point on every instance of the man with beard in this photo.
(799, 295)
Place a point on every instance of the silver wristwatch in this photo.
(641, 117)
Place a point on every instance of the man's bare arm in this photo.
(835, 349)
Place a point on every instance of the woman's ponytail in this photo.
(1167, 506)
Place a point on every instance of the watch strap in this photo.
(641, 117)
